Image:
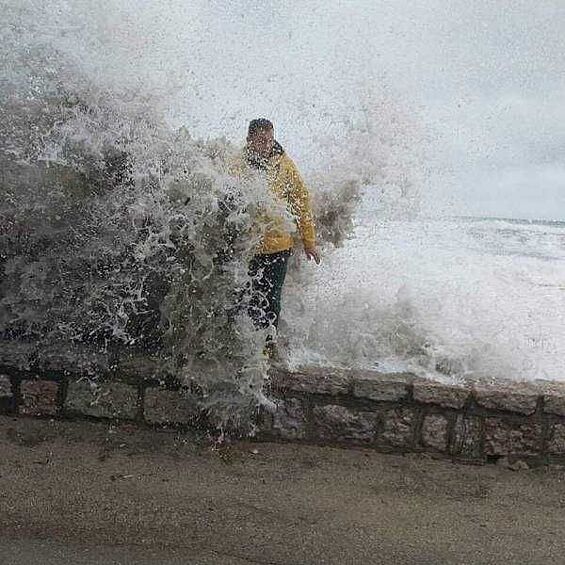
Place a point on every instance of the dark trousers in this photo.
(267, 274)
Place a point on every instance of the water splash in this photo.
(119, 228)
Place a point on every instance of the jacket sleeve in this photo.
(300, 204)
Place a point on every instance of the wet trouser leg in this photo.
(267, 274)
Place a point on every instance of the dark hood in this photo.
(261, 163)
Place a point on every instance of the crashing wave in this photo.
(119, 230)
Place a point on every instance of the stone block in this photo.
(397, 427)
(466, 440)
(383, 387)
(313, 380)
(16, 355)
(102, 400)
(289, 419)
(5, 387)
(518, 398)
(554, 405)
(39, 398)
(554, 399)
(507, 437)
(64, 357)
(138, 368)
(553, 394)
(263, 423)
(440, 394)
(337, 423)
(6, 395)
(434, 431)
(170, 407)
(556, 445)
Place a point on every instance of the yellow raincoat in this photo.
(288, 188)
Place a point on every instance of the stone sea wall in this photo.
(479, 422)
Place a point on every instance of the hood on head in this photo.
(259, 162)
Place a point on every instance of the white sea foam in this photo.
(481, 298)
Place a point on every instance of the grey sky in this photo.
(487, 79)
(484, 78)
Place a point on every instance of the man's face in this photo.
(261, 142)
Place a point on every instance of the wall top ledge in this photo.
(71, 359)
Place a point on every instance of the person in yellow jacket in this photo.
(264, 155)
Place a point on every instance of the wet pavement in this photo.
(85, 493)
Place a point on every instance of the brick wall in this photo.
(478, 422)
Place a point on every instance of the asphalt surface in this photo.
(86, 493)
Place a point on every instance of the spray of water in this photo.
(120, 227)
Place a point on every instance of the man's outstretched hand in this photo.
(313, 254)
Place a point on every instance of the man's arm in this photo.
(301, 207)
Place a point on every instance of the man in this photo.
(265, 156)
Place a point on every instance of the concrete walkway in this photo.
(85, 493)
